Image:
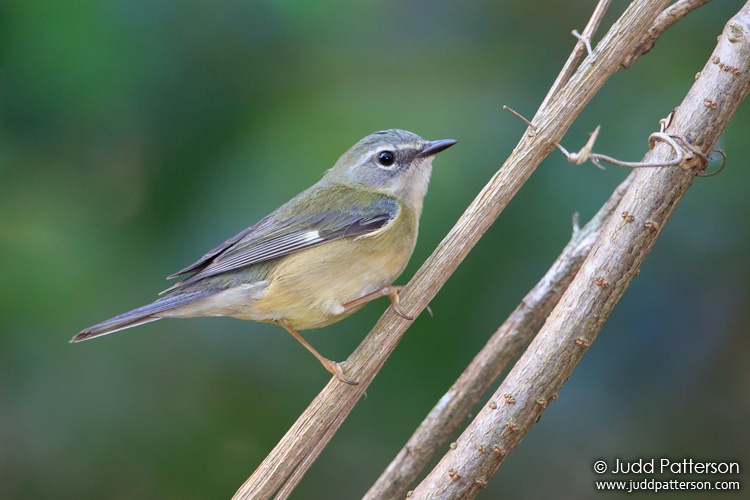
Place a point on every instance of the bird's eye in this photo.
(386, 158)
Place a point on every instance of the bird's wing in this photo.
(347, 214)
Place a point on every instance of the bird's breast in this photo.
(308, 289)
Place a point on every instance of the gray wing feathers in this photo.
(267, 250)
(268, 240)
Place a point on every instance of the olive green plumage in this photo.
(346, 237)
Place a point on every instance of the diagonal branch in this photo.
(504, 345)
(515, 332)
(578, 51)
(317, 424)
(605, 275)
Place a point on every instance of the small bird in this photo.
(319, 257)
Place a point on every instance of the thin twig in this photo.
(519, 116)
(502, 347)
(584, 44)
(684, 151)
(605, 275)
(586, 41)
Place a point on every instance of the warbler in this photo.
(319, 257)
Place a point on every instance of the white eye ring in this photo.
(386, 159)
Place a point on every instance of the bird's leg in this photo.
(331, 366)
(387, 291)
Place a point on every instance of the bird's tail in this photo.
(144, 314)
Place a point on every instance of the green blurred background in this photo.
(135, 135)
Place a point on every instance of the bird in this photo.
(319, 257)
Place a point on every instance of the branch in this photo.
(580, 48)
(317, 424)
(456, 404)
(504, 345)
(605, 275)
(666, 19)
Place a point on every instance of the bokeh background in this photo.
(135, 135)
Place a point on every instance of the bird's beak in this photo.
(434, 147)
